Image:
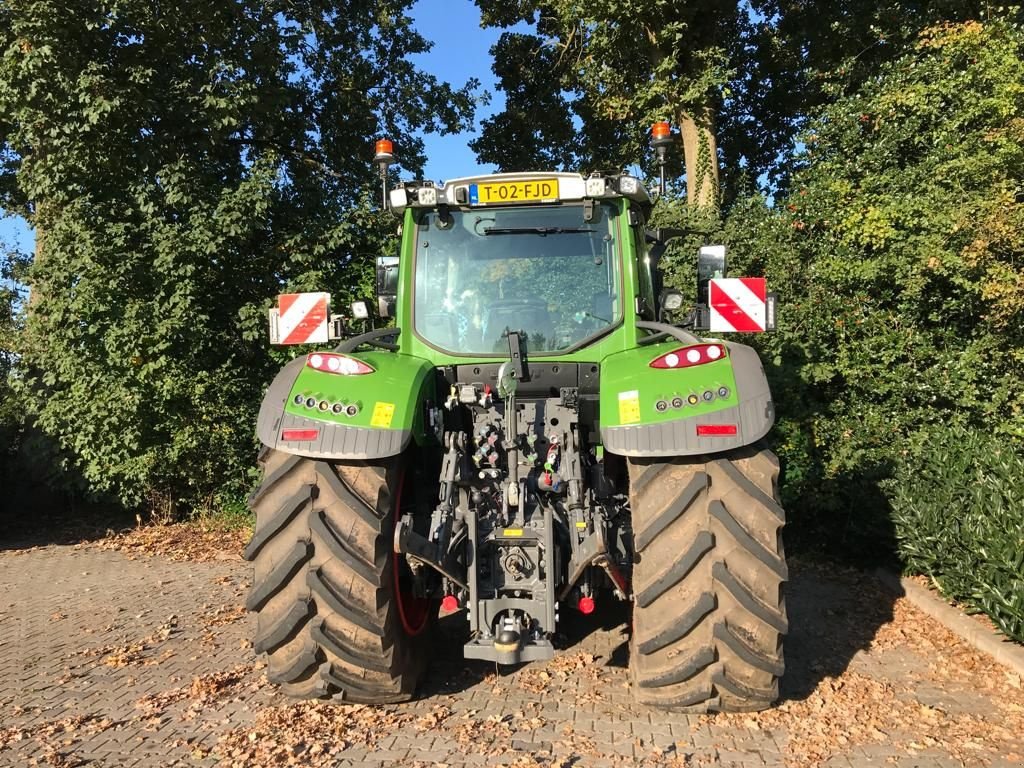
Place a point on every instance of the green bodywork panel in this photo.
(391, 397)
(631, 389)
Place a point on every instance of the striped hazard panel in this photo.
(738, 304)
(302, 318)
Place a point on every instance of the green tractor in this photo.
(533, 436)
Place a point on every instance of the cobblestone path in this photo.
(111, 661)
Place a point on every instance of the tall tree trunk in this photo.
(700, 152)
(33, 290)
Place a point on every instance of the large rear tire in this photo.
(709, 613)
(327, 587)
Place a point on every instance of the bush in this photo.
(12, 265)
(896, 255)
(178, 182)
(958, 508)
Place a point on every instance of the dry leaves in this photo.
(179, 542)
(561, 669)
(852, 709)
(203, 690)
(56, 738)
(225, 614)
(310, 733)
(133, 653)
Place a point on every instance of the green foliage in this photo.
(12, 267)
(958, 507)
(613, 67)
(535, 129)
(915, 307)
(182, 165)
(582, 88)
(898, 262)
(898, 259)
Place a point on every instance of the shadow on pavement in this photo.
(450, 673)
(835, 610)
(33, 515)
(833, 614)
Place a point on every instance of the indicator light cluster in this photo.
(331, 362)
(677, 402)
(327, 406)
(685, 357)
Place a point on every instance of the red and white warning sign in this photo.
(300, 318)
(739, 304)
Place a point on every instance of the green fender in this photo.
(334, 416)
(649, 411)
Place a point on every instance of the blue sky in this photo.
(461, 51)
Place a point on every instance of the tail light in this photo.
(716, 430)
(300, 435)
(684, 357)
(329, 362)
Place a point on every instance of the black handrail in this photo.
(371, 338)
(663, 331)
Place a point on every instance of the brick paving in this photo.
(111, 661)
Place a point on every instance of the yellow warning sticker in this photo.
(629, 407)
(581, 524)
(512, 532)
(383, 413)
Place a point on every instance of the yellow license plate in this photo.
(513, 192)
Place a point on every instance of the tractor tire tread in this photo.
(341, 550)
(676, 572)
(284, 515)
(322, 592)
(744, 538)
(645, 536)
(325, 638)
(322, 587)
(680, 673)
(709, 614)
(285, 629)
(280, 576)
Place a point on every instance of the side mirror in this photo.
(387, 285)
(710, 265)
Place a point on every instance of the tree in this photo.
(739, 79)
(904, 321)
(625, 65)
(12, 267)
(800, 56)
(182, 164)
(897, 259)
(917, 245)
(538, 115)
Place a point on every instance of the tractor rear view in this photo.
(535, 435)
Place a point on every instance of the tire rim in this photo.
(414, 612)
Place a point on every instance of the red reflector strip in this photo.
(300, 434)
(715, 430)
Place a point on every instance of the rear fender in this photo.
(367, 416)
(648, 411)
